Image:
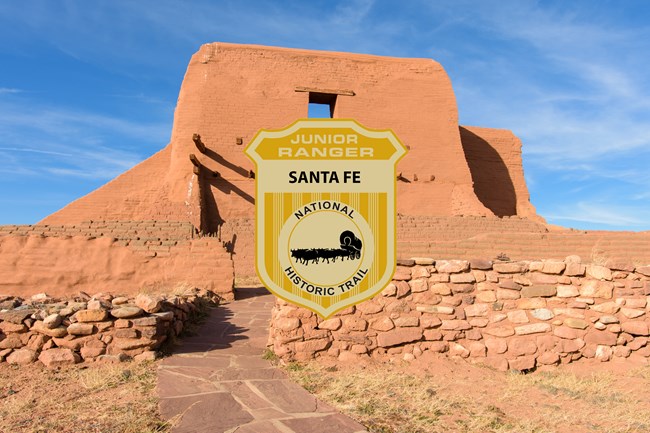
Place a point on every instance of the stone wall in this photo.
(509, 315)
(456, 237)
(60, 332)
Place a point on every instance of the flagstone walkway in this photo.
(217, 380)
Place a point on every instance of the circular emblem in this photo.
(328, 249)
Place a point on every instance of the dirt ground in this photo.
(429, 395)
(436, 394)
(102, 398)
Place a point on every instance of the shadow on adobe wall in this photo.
(221, 160)
(211, 218)
(492, 183)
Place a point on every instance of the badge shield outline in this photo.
(371, 204)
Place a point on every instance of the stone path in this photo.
(217, 380)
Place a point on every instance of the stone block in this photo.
(597, 289)
(440, 309)
(419, 285)
(522, 363)
(408, 321)
(553, 267)
(398, 336)
(455, 325)
(567, 291)
(80, 329)
(599, 272)
(509, 268)
(576, 323)
(521, 346)
(477, 310)
(487, 296)
(420, 272)
(480, 264)
(518, 316)
(600, 338)
(355, 324)
(91, 315)
(499, 331)
(21, 357)
(463, 278)
(496, 345)
(542, 314)
(532, 328)
(505, 294)
(637, 327)
(538, 291)
(54, 358)
(452, 266)
(148, 303)
(331, 324)
(574, 269)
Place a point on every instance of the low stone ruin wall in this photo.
(59, 332)
(508, 315)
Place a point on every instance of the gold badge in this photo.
(325, 211)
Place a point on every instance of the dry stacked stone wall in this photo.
(508, 315)
(105, 328)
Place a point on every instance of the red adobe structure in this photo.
(181, 215)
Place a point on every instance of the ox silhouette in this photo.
(350, 249)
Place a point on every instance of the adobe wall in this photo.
(494, 159)
(455, 237)
(231, 91)
(111, 258)
(509, 315)
(139, 194)
(516, 238)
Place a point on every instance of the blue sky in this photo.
(88, 89)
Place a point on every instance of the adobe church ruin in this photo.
(185, 218)
(461, 190)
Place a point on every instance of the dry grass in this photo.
(387, 399)
(100, 398)
(599, 401)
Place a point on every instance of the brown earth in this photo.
(433, 394)
(106, 398)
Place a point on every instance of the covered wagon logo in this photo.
(325, 211)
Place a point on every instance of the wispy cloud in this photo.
(68, 143)
(590, 98)
(569, 78)
(26, 149)
(604, 214)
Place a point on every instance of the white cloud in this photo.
(38, 140)
(603, 213)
